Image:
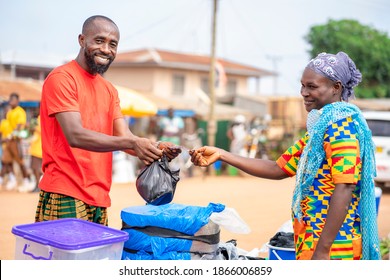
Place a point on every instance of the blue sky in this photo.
(264, 34)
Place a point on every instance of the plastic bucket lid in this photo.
(281, 248)
(281, 253)
(70, 233)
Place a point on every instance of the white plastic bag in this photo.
(230, 220)
(286, 227)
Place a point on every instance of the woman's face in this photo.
(318, 91)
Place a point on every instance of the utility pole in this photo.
(275, 59)
(212, 124)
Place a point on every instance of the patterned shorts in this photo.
(53, 206)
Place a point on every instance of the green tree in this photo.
(368, 47)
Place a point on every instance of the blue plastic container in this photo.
(68, 239)
(218, 167)
(378, 194)
(281, 254)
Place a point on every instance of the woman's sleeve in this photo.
(342, 150)
(288, 161)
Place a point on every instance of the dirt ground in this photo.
(263, 204)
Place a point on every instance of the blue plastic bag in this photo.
(182, 218)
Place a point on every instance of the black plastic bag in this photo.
(283, 240)
(156, 183)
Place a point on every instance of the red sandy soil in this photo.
(263, 204)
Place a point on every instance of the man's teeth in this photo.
(102, 59)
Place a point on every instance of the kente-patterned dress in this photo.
(342, 164)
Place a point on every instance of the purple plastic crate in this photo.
(68, 234)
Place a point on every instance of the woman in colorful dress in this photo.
(333, 205)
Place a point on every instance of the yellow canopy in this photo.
(134, 104)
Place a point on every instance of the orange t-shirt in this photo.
(74, 172)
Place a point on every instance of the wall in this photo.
(159, 81)
(4, 73)
(135, 78)
(163, 82)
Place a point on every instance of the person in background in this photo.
(191, 139)
(6, 160)
(171, 128)
(16, 117)
(237, 134)
(81, 125)
(36, 154)
(333, 205)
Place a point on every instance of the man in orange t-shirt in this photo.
(81, 124)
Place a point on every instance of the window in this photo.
(231, 88)
(204, 85)
(178, 85)
(379, 127)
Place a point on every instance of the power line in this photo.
(247, 27)
(193, 21)
(158, 22)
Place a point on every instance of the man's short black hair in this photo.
(90, 20)
(14, 95)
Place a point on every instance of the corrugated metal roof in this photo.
(28, 90)
(41, 60)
